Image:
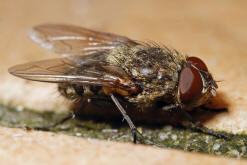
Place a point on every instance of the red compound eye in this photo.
(190, 85)
(198, 63)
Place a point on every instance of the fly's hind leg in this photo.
(47, 127)
(71, 115)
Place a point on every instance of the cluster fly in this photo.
(97, 64)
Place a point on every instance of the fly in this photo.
(105, 65)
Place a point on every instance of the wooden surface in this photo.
(214, 31)
(23, 147)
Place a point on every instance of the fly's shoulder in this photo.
(148, 63)
(145, 59)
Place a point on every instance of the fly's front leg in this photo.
(213, 109)
(134, 131)
(192, 123)
(199, 126)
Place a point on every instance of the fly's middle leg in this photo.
(134, 131)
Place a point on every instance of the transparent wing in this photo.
(74, 40)
(90, 71)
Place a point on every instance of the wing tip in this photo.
(39, 38)
(14, 71)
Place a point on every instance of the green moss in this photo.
(165, 136)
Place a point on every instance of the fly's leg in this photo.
(199, 126)
(195, 124)
(213, 109)
(176, 106)
(134, 131)
(68, 117)
(47, 127)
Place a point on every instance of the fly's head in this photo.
(196, 85)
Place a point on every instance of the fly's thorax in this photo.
(76, 91)
(154, 69)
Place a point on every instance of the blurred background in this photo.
(200, 28)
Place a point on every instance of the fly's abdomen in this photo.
(77, 91)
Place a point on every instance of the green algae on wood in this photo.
(166, 136)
